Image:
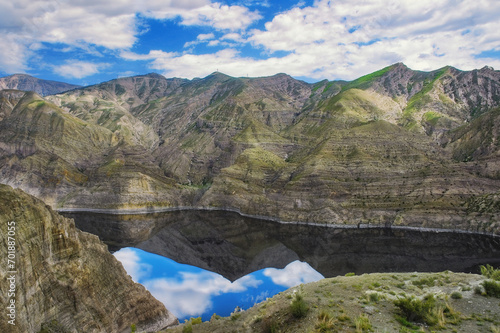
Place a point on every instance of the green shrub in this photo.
(492, 288)
(269, 325)
(430, 281)
(196, 321)
(299, 307)
(490, 272)
(416, 310)
(350, 274)
(188, 328)
(133, 328)
(235, 316)
(363, 324)
(374, 297)
(456, 295)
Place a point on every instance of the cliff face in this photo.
(395, 147)
(66, 275)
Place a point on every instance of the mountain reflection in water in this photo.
(241, 260)
(233, 245)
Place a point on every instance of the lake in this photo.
(200, 262)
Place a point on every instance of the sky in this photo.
(90, 41)
(188, 291)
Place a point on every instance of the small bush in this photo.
(430, 281)
(456, 295)
(269, 325)
(350, 274)
(299, 307)
(133, 328)
(343, 317)
(363, 324)
(188, 328)
(374, 297)
(492, 288)
(325, 323)
(417, 310)
(235, 316)
(490, 272)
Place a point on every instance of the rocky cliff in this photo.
(395, 147)
(65, 278)
(29, 83)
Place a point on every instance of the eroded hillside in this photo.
(396, 147)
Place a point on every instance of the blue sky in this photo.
(188, 291)
(89, 41)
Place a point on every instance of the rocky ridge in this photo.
(395, 147)
(29, 83)
(66, 278)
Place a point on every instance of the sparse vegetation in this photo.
(299, 307)
(325, 323)
(492, 288)
(490, 272)
(417, 310)
(363, 324)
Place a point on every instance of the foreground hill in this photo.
(396, 147)
(29, 83)
(444, 302)
(63, 279)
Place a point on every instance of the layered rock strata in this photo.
(65, 277)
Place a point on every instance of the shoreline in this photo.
(143, 211)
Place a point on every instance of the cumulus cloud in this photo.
(329, 39)
(79, 69)
(133, 264)
(191, 295)
(113, 25)
(346, 39)
(221, 16)
(293, 274)
(352, 38)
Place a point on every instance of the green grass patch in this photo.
(299, 307)
(490, 272)
(492, 288)
(365, 81)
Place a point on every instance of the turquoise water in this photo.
(189, 291)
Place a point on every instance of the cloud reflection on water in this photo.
(190, 291)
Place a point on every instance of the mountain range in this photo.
(29, 83)
(395, 147)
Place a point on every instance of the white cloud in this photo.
(221, 16)
(293, 274)
(346, 39)
(132, 264)
(353, 38)
(79, 69)
(191, 295)
(15, 54)
(109, 24)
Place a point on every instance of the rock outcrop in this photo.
(65, 277)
